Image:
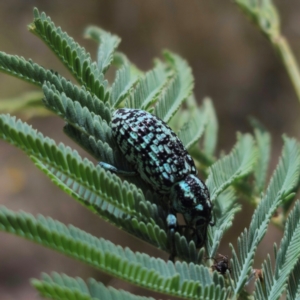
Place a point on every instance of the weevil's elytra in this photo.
(152, 146)
(162, 161)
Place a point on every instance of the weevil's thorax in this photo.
(190, 197)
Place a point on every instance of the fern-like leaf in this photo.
(286, 258)
(122, 86)
(281, 185)
(99, 253)
(204, 155)
(263, 140)
(183, 115)
(92, 104)
(232, 167)
(146, 225)
(149, 87)
(225, 208)
(78, 116)
(62, 287)
(177, 279)
(89, 130)
(191, 132)
(31, 72)
(263, 14)
(293, 292)
(108, 44)
(211, 128)
(25, 69)
(177, 91)
(74, 57)
(87, 178)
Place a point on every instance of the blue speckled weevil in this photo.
(162, 161)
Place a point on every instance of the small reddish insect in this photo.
(221, 264)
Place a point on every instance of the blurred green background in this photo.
(231, 61)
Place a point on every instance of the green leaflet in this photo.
(263, 140)
(76, 243)
(143, 221)
(225, 208)
(203, 126)
(286, 259)
(149, 87)
(183, 115)
(293, 292)
(156, 274)
(122, 86)
(88, 129)
(281, 185)
(263, 14)
(79, 116)
(178, 89)
(191, 132)
(232, 167)
(108, 44)
(74, 57)
(103, 185)
(61, 286)
(26, 69)
(35, 74)
(211, 128)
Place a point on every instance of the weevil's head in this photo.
(190, 197)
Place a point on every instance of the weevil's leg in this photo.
(113, 169)
(201, 235)
(172, 227)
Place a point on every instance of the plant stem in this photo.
(289, 61)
